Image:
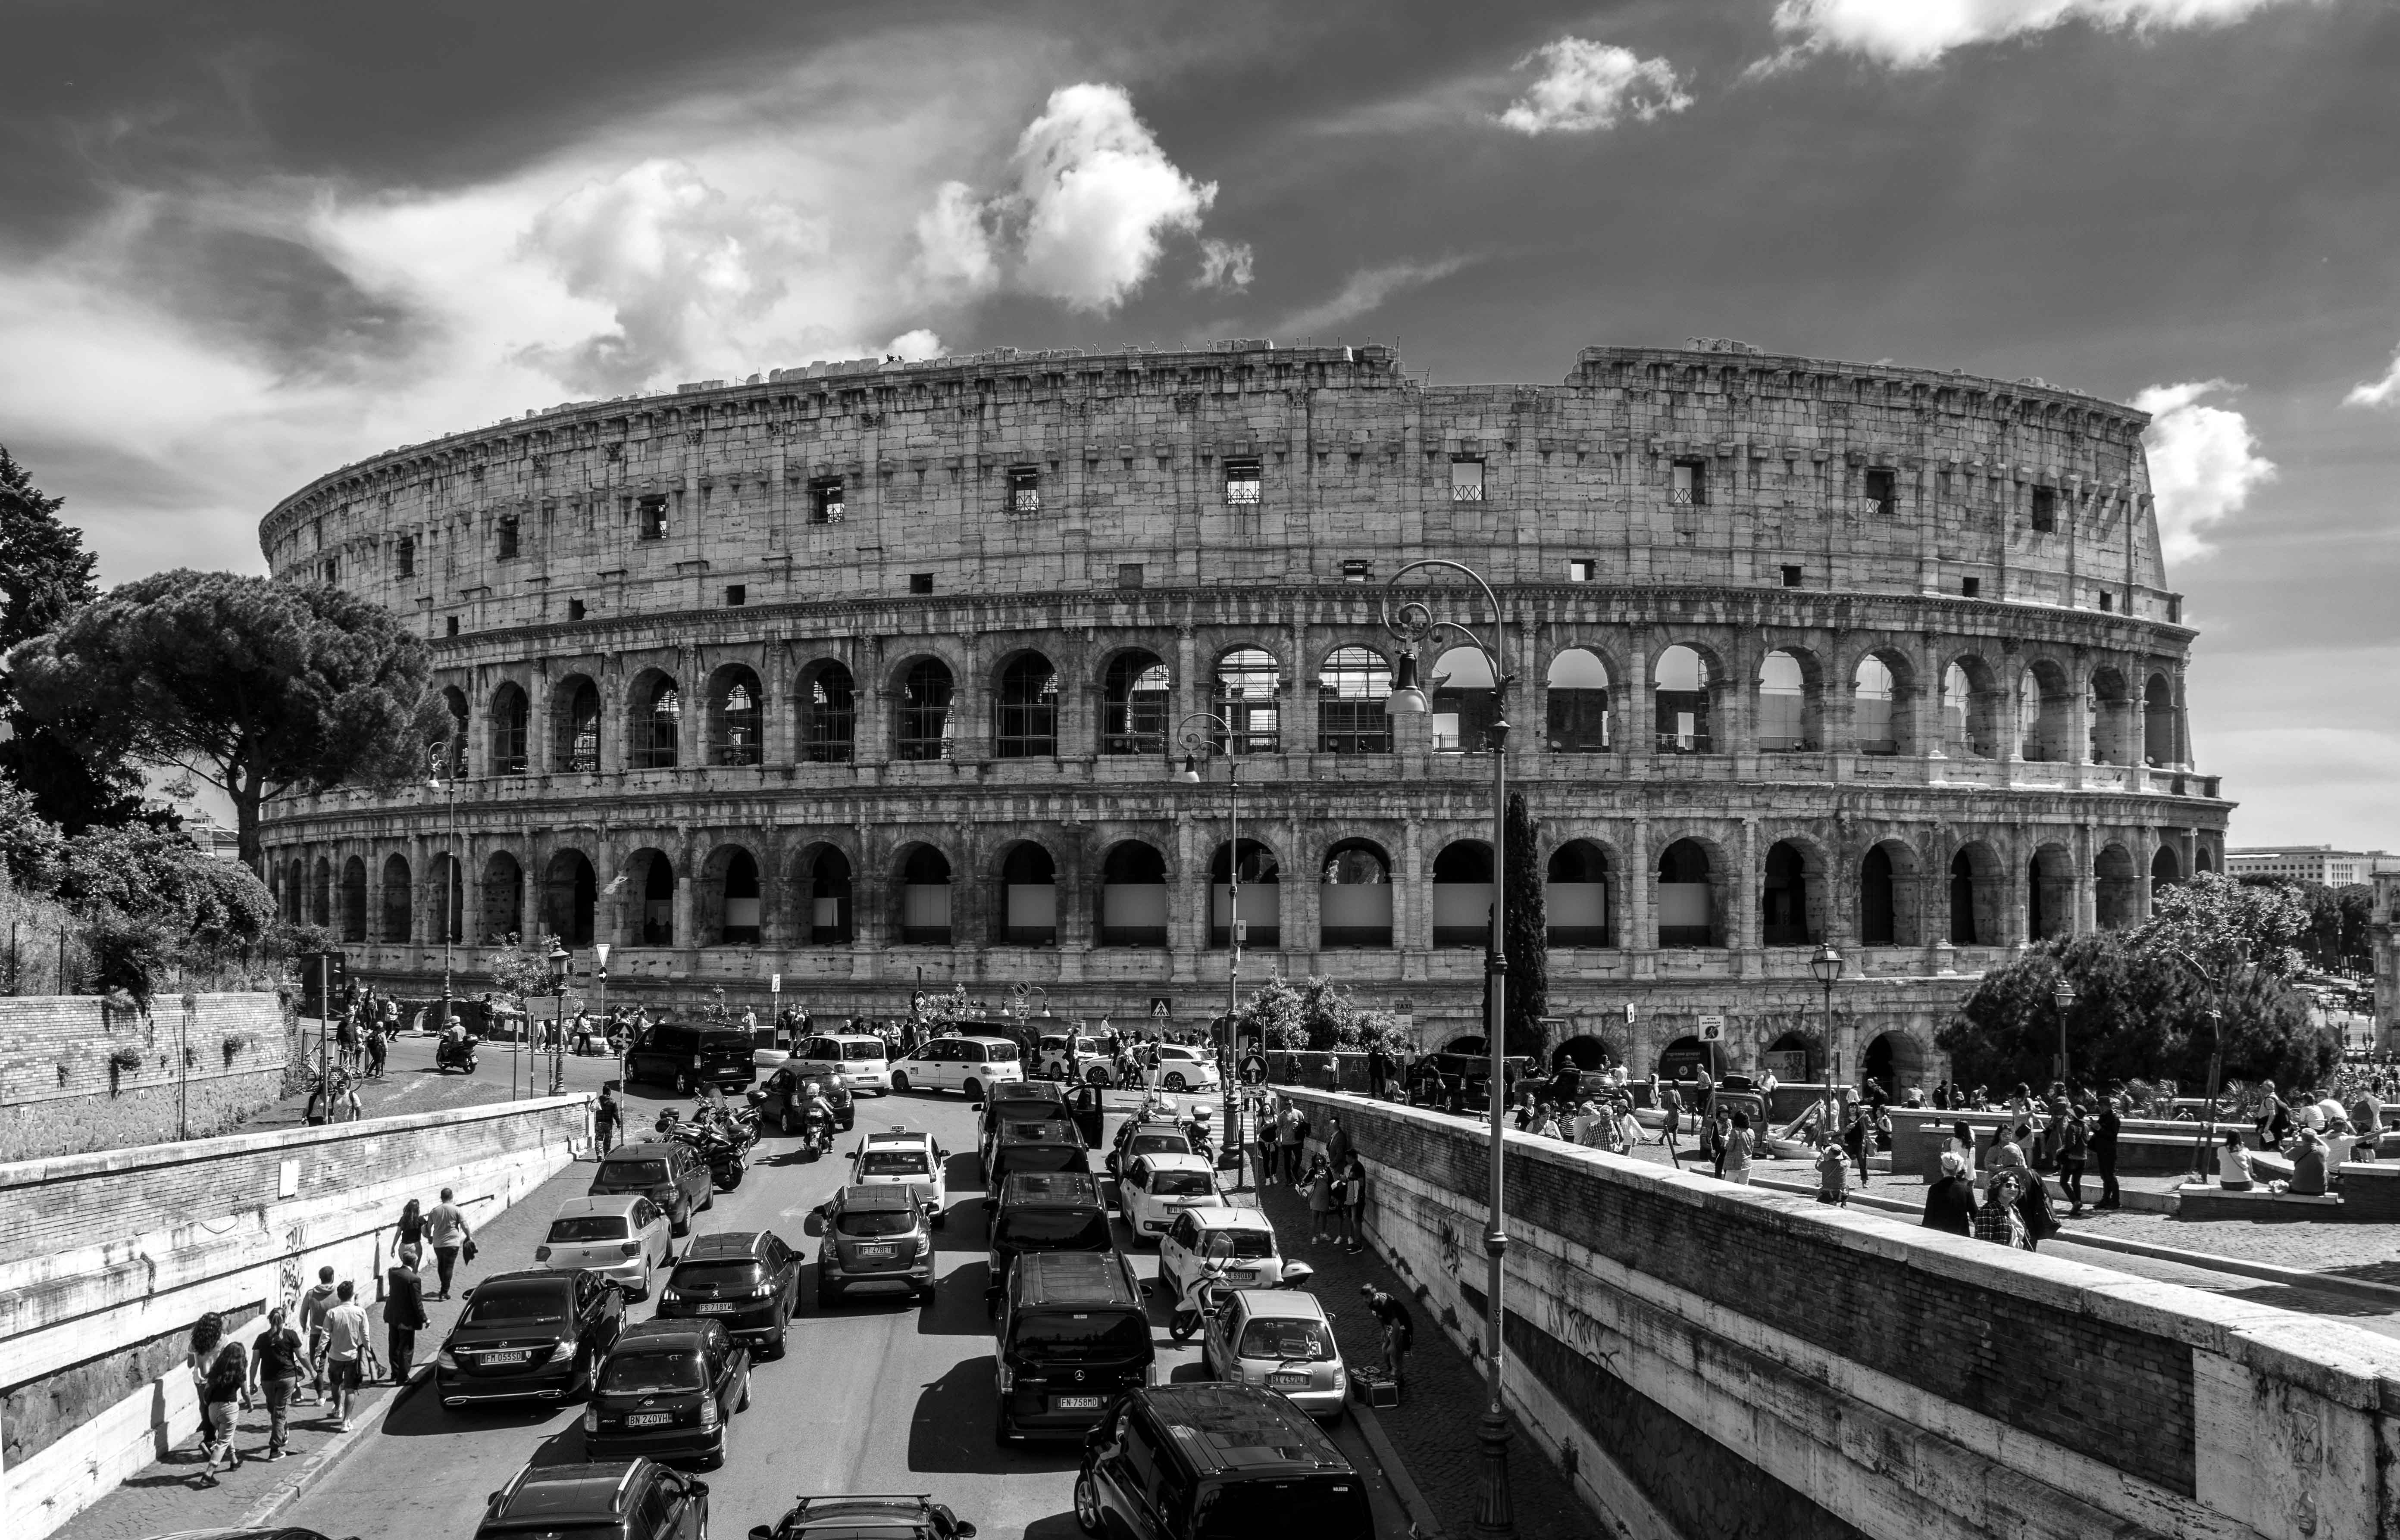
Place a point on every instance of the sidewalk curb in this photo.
(1421, 1518)
(2323, 1283)
(295, 1486)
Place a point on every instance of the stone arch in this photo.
(650, 886)
(1791, 694)
(500, 912)
(1693, 901)
(924, 722)
(354, 900)
(1883, 698)
(1462, 893)
(728, 902)
(1137, 697)
(1026, 911)
(398, 903)
(2166, 869)
(509, 732)
(1465, 705)
(921, 894)
(1585, 1051)
(1353, 683)
(1978, 895)
(320, 894)
(2109, 704)
(654, 720)
(2203, 860)
(2159, 735)
(737, 717)
(570, 897)
(2043, 700)
(1685, 681)
(1133, 895)
(1355, 897)
(828, 702)
(574, 725)
(1025, 707)
(1245, 690)
(1971, 702)
(823, 896)
(1577, 706)
(1894, 1060)
(2116, 887)
(1575, 895)
(1891, 903)
(1261, 913)
(1682, 1058)
(2049, 892)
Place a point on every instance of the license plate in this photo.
(649, 1419)
(516, 1357)
(718, 1307)
(879, 1253)
(1291, 1380)
(1074, 1403)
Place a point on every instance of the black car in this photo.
(1046, 1211)
(615, 1500)
(667, 1389)
(667, 1173)
(1031, 1139)
(788, 1090)
(689, 1057)
(850, 1516)
(748, 1280)
(1241, 1457)
(1024, 1097)
(535, 1335)
(1072, 1333)
(875, 1237)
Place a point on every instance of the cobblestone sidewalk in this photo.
(1433, 1428)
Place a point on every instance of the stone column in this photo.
(871, 893)
(540, 739)
(528, 890)
(1300, 706)
(1925, 706)
(616, 716)
(420, 891)
(1188, 899)
(781, 707)
(1637, 932)
(1742, 929)
(2013, 928)
(691, 719)
(2078, 713)
(1412, 904)
(2087, 894)
(2182, 727)
(1636, 736)
(1189, 693)
(685, 917)
(1076, 885)
(972, 702)
(479, 723)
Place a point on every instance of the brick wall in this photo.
(196, 1072)
(1871, 1377)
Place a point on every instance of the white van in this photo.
(858, 1058)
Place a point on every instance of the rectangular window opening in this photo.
(404, 556)
(2107, 602)
(921, 583)
(453, 628)
(1023, 489)
(1355, 572)
(1128, 574)
(1467, 481)
(1883, 493)
(508, 536)
(651, 518)
(825, 505)
(575, 609)
(1971, 587)
(1244, 481)
(1689, 483)
(2045, 510)
(736, 595)
(332, 569)
(1580, 570)
(1792, 576)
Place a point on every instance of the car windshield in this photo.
(1325, 1507)
(1054, 1229)
(1243, 1245)
(1039, 1130)
(1182, 1184)
(589, 1227)
(862, 1050)
(531, 1300)
(876, 1222)
(1266, 1338)
(893, 1163)
(1081, 1333)
(998, 1052)
(1042, 1157)
(732, 1274)
(660, 1368)
(628, 1174)
(1160, 1144)
(573, 1531)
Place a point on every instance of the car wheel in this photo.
(709, 1202)
(1087, 1505)
(1174, 1081)
(679, 1224)
(899, 1081)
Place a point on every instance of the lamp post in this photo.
(2063, 995)
(560, 960)
(600, 1003)
(1413, 621)
(1198, 734)
(439, 782)
(1828, 966)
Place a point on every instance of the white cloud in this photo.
(2382, 393)
(1364, 290)
(954, 254)
(1587, 85)
(1914, 34)
(2204, 463)
(1223, 265)
(915, 346)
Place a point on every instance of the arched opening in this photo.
(503, 900)
(1878, 914)
(2050, 893)
(1969, 711)
(728, 899)
(1351, 689)
(1026, 720)
(1684, 1059)
(1464, 703)
(1583, 1052)
(1353, 902)
(1133, 895)
(1029, 897)
(354, 900)
(2110, 708)
(1461, 894)
(1784, 900)
(397, 903)
(1135, 697)
(1893, 1060)
(1247, 684)
(654, 887)
(512, 716)
(1875, 699)
(2042, 715)
(657, 719)
(1262, 911)
(2116, 887)
(1578, 703)
(2203, 860)
(1575, 895)
(736, 723)
(829, 907)
(1472, 1042)
(1686, 896)
(925, 897)
(570, 896)
(2166, 869)
(1791, 1058)
(320, 894)
(291, 899)
(920, 728)
(1680, 686)
(449, 900)
(576, 725)
(452, 756)
(1786, 723)
(828, 716)
(2159, 722)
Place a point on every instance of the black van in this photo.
(1071, 1335)
(1046, 1211)
(689, 1057)
(1021, 1099)
(1186, 1461)
(1030, 1137)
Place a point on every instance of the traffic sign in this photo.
(1712, 1028)
(1161, 1007)
(774, 983)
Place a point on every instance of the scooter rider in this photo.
(816, 1118)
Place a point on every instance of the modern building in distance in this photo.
(2311, 863)
(865, 674)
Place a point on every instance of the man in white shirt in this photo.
(447, 1227)
(348, 1352)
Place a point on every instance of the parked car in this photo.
(858, 1518)
(593, 1500)
(876, 1237)
(1139, 1136)
(1050, 1142)
(1241, 1237)
(667, 1390)
(1051, 1059)
(1156, 1188)
(908, 1158)
(532, 1335)
(861, 1058)
(1249, 1459)
(1070, 1334)
(1046, 1211)
(968, 1064)
(669, 1174)
(787, 1090)
(1278, 1338)
(689, 1056)
(747, 1279)
(1184, 1068)
(622, 1236)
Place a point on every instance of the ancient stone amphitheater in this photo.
(868, 675)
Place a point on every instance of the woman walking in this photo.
(222, 1371)
(1737, 1150)
(1320, 1196)
(1350, 1192)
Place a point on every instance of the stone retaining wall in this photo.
(187, 1073)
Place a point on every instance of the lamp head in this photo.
(1191, 771)
(1827, 964)
(2064, 993)
(1406, 699)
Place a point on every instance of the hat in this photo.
(1365, 1288)
(1952, 1164)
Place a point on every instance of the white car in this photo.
(1050, 1058)
(622, 1237)
(1155, 1188)
(1278, 1338)
(1184, 1068)
(965, 1063)
(903, 1155)
(1241, 1237)
(862, 1060)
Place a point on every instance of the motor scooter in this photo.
(454, 1054)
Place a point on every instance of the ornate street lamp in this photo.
(1413, 621)
(1828, 965)
(2063, 995)
(438, 780)
(560, 962)
(1198, 734)
(600, 994)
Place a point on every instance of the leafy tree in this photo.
(30, 845)
(217, 910)
(1316, 1014)
(2223, 926)
(521, 973)
(1526, 934)
(2357, 902)
(263, 688)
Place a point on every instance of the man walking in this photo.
(403, 1311)
(448, 1229)
(1379, 1070)
(314, 1306)
(1290, 1127)
(2103, 1146)
(275, 1361)
(606, 1117)
(348, 1353)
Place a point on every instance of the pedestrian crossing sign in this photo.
(1161, 1007)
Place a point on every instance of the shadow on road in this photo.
(959, 1307)
(420, 1414)
(951, 1430)
(1057, 1526)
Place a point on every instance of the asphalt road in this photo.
(877, 1395)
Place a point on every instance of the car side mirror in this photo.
(762, 1531)
(974, 1107)
(1296, 1273)
(964, 1529)
(697, 1488)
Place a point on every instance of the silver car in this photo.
(1280, 1338)
(622, 1237)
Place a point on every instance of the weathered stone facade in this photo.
(858, 674)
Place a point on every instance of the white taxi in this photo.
(899, 1155)
(1242, 1237)
(1184, 1068)
(1153, 1189)
(860, 1059)
(622, 1237)
(959, 1063)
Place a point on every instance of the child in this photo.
(1832, 1174)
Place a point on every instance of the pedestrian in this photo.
(1719, 1131)
(314, 1307)
(350, 1355)
(410, 1230)
(1998, 1220)
(276, 1359)
(1672, 1105)
(1856, 1139)
(2033, 1207)
(606, 1117)
(376, 1049)
(1337, 1141)
(1320, 1197)
(403, 1311)
(1950, 1201)
(1738, 1144)
(1354, 1204)
(1291, 1128)
(1393, 1324)
(1379, 1070)
(224, 1373)
(451, 1237)
(1832, 1174)
(2073, 1144)
(1962, 1144)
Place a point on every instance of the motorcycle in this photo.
(454, 1054)
(1207, 1293)
(816, 1136)
(723, 1154)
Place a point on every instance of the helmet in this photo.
(1205, 1113)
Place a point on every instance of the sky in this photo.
(246, 243)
